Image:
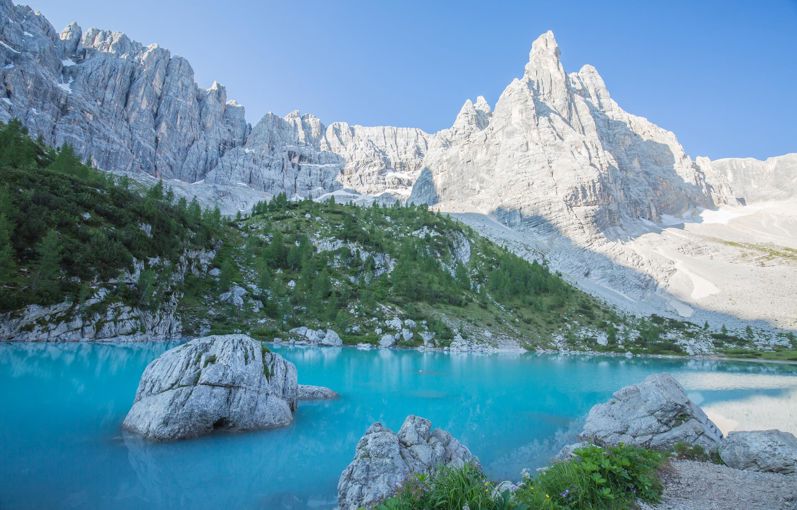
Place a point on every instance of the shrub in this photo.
(449, 489)
(596, 478)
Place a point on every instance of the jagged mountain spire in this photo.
(546, 72)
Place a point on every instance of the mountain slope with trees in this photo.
(88, 255)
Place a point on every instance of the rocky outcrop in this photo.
(761, 450)
(218, 382)
(310, 392)
(384, 461)
(653, 414)
(68, 322)
(309, 336)
(235, 296)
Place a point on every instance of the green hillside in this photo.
(105, 250)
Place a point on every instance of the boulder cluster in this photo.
(658, 414)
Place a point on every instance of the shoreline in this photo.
(442, 350)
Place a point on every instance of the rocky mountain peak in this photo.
(473, 115)
(70, 37)
(588, 83)
(546, 73)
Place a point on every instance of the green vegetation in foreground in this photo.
(597, 479)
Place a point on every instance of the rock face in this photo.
(384, 461)
(762, 450)
(310, 392)
(65, 322)
(559, 152)
(752, 180)
(216, 382)
(654, 414)
(128, 107)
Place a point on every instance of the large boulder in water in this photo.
(761, 450)
(384, 461)
(216, 382)
(654, 414)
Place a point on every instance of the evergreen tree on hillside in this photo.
(8, 267)
(46, 283)
(67, 162)
(16, 148)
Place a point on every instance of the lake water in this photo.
(61, 406)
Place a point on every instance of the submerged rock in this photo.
(761, 450)
(653, 414)
(217, 382)
(310, 392)
(384, 461)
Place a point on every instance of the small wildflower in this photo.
(565, 493)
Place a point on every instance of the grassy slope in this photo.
(344, 288)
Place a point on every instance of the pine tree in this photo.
(67, 162)
(46, 284)
(195, 211)
(8, 267)
(227, 273)
(461, 276)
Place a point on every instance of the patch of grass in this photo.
(779, 354)
(766, 251)
(696, 452)
(449, 489)
(597, 478)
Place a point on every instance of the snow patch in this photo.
(9, 48)
(68, 62)
(66, 87)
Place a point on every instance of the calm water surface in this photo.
(61, 407)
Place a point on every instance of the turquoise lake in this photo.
(61, 406)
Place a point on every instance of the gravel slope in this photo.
(690, 485)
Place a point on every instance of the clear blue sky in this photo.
(722, 75)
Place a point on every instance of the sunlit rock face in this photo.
(752, 180)
(558, 151)
(128, 107)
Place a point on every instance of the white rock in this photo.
(383, 461)
(762, 450)
(387, 340)
(234, 296)
(310, 392)
(654, 414)
(216, 382)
